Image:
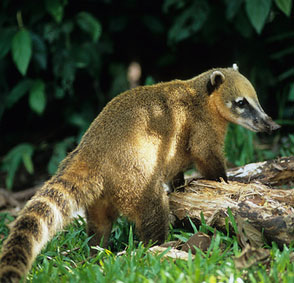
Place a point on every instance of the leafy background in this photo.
(62, 61)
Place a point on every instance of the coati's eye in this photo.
(241, 102)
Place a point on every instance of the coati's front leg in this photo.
(211, 165)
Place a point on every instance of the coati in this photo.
(140, 141)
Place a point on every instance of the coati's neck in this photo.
(219, 122)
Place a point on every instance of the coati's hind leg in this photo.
(100, 217)
(152, 221)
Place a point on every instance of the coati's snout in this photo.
(255, 119)
(268, 125)
(262, 123)
(250, 115)
(237, 101)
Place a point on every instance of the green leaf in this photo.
(18, 92)
(27, 161)
(232, 219)
(258, 12)
(89, 24)
(6, 35)
(283, 53)
(195, 230)
(55, 9)
(286, 75)
(189, 21)
(285, 6)
(22, 50)
(12, 160)
(37, 98)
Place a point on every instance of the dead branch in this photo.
(275, 172)
(268, 210)
(13, 202)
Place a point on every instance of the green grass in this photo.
(67, 259)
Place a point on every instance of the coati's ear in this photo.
(215, 80)
(235, 67)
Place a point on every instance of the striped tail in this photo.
(47, 212)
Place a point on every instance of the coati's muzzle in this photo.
(255, 119)
(265, 124)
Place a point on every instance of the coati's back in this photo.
(129, 133)
(140, 141)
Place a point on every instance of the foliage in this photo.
(287, 143)
(67, 259)
(59, 152)
(61, 61)
(285, 6)
(5, 219)
(37, 98)
(239, 145)
(258, 13)
(21, 153)
(189, 21)
(21, 48)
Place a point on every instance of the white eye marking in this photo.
(239, 110)
(239, 99)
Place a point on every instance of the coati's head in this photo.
(236, 100)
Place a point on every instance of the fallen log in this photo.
(274, 172)
(251, 200)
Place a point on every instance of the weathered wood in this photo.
(267, 209)
(273, 172)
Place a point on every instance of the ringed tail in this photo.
(53, 207)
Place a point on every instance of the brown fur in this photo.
(142, 139)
